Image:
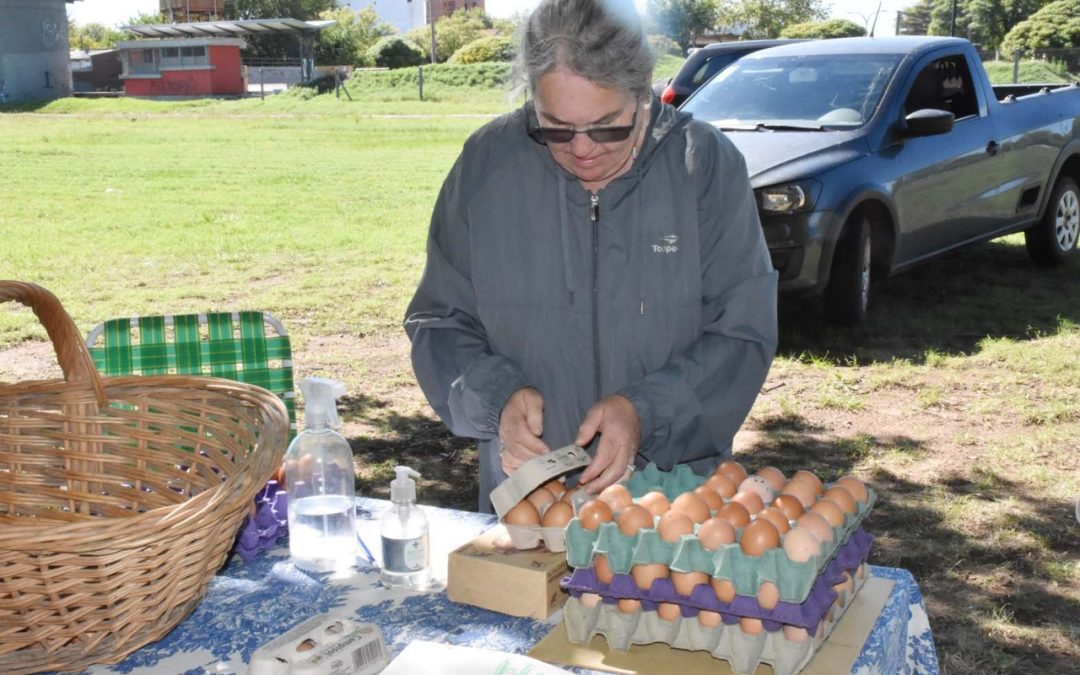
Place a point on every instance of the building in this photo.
(404, 15)
(206, 66)
(34, 58)
(186, 11)
(96, 70)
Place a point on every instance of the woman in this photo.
(596, 272)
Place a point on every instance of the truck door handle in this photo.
(992, 148)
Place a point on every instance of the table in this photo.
(248, 604)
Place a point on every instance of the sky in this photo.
(116, 12)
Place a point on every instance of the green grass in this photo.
(1035, 72)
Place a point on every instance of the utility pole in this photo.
(952, 24)
(431, 11)
(899, 14)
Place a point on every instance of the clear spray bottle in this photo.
(404, 531)
(320, 483)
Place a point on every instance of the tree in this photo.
(485, 49)
(348, 40)
(146, 19)
(683, 20)
(451, 32)
(1055, 26)
(767, 18)
(915, 19)
(395, 52)
(833, 28)
(984, 22)
(281, 45)
(93, 36)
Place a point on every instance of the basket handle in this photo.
(71, 352)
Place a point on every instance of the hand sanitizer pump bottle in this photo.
(404, 530)
(320, 482)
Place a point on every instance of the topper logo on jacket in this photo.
(669, 245)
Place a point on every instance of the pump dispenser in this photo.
(404, 530)
(320, 483)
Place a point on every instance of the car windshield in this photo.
(783, 93)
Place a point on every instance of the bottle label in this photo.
(405, 555)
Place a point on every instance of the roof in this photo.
(904, 44)
(227, 28)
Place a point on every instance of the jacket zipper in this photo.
(594, 216)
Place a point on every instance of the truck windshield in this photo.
(782, 93)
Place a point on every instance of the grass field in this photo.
(957, 400)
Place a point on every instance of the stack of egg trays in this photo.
(805, 588)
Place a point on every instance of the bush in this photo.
(395, 52)
(662, 45)
(833, 28)
(484, 50)
(474, 75)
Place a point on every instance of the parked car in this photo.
(705, 62)
(871, 155)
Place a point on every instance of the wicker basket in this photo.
(119, 499)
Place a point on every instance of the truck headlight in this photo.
(788, 198)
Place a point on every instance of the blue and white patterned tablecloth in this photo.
(248, 604)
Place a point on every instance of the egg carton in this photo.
(585, 617)
(808, 614)
(793, 579)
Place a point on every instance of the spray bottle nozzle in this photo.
(403, 488)
(320, 402)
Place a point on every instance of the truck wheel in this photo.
(1053, 239)
(847, 296)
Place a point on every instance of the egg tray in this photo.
(726, 641)
(806, 614)
(793, 579)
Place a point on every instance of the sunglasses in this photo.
(596, 134)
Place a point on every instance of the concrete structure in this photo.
(405, 15)
(34, 57)
(208, 66)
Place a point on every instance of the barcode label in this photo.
(367, 654)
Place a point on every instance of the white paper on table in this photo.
(442, 659)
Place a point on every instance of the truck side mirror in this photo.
(928, 122)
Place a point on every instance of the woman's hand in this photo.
(616, 420)
(521, 424)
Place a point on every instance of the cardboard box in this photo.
(489, 572)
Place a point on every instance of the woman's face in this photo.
(566, 100)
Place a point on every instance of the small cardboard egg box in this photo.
(586, 617)
(525, 479)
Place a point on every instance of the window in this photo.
(945, 84)
(142, 62)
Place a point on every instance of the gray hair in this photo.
(600, 40)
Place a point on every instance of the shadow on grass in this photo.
(947, 306)
(968, 579)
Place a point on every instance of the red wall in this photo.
(224, 78)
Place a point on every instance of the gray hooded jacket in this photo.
(659, 287)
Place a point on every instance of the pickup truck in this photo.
(871, 155)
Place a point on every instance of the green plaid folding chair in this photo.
(249, 347)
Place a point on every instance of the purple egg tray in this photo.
(806, 614)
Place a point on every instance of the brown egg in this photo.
(796, 634)
(714, 533)
(557, 515)
(556, 488)
(751, 500)
(801, 544)
(751, 626)
(686, 582)
(802, 491)
(616, 496)
(645, 575)
(602, 569)
(709, 619)
(768, 595)
(656, 502)
(721, 485)
(629, 606)
(840, 495)
(760, 486)
(523, 514)
(594, 512)
(777, 518)
(692, 505)
(673, 525)
(843, 589)
(831, 511)
(541, 498)
(758, 537)
(860, 573)
(735, 513)
(590, 599)
(732, 470)
(569, 494)
(634, 518)
(790, 505)
(816, 523)
(668, 611)
(856, 487)
(711, 497)
(775, 477)
(810, 479)
(724, 589)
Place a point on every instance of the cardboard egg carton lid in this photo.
(533, 474)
